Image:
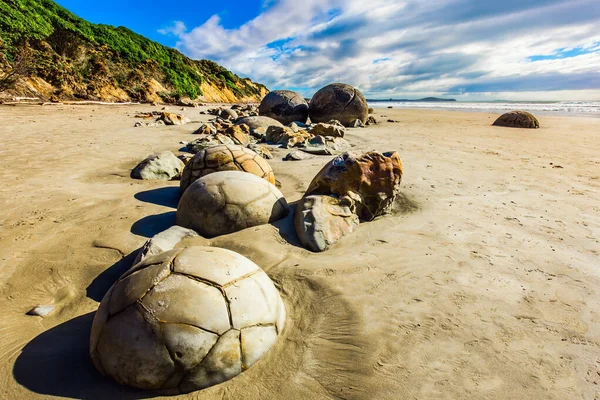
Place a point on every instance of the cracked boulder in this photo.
(320, 220)
(225, 158)
(371, 180)
(229, 201)
(161, 166)
(517, 119)
(338, 101)
(186, 319)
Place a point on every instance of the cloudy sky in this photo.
(465, 49)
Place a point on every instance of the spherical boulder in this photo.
(338, 101)
(228, 201)
(186, 319)
(225, 158)
(517, 119)
(284, 106)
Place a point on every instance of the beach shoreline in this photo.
(483, 283)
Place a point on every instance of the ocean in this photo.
(575, 108)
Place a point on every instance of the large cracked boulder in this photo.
(371, 180)
(225, 158)
(186, 319)
(338, 101)
(320, 221)
(162, 166)
(229, 201)
(284, 106)
(517, 119)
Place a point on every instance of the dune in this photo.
(483, 283)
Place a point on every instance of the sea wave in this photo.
(570, 108)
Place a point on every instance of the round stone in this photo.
(284, 106)
(228, 201)
(338, 101)
(517, 119)
(225, 158)
(186, 319)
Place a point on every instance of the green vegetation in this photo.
(86, 52)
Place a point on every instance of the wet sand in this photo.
(484, 283)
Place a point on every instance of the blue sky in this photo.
(466, 49)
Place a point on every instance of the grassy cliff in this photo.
(69, 57)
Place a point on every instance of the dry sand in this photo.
(485, 283)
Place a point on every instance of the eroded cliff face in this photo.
(68, 58)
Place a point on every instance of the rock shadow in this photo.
(100, 285)
(57, 363)
(404, 204)
(285, 227)
(153, 224)
(166, 196)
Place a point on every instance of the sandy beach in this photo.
(483, 284)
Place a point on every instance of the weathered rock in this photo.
(225, 158)
(229, 201)
(517, 119)
(284, 106)
(174, 119)
(186, 102)
(338, 101)
(292, 139)
(240, 134)
(321, 145)
(186, 319)
(371, 111)
(296, 155)
(185, 158)
(286, 137)
(162, 166)
(205, 129)
(321, 221)
(163, 241)
(261, 150)
(371, 180)
(207, 142)
(258, 122)
(358, 124)
(371, 121)
(275, 133)
(322, 129)
(228, 114)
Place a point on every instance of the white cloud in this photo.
(411, 47)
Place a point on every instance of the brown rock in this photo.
(322, 129)
(371, 180)
(240, 134)
(173, 118)
(517, 119)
